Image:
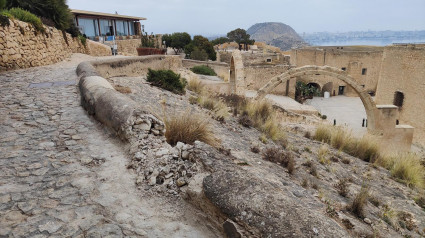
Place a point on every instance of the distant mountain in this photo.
(276, 34)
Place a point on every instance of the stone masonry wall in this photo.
(21, 46)
(353, 59)
(403, 69)
(257, 76)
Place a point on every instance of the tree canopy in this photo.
(198, 45)
(220, 41)
(56, 11)
(177, 40)
(241, 37)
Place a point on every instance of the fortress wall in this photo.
(21, 46)
(403, 69)
(353, 59)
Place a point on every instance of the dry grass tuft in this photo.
(195, 85)
(340, 137)
(187, 128)
(359, 202)
(218, 107)
(323, 133)
(366, 148)
(406, 167)
(122, 89)
(323, 153)
(342, 187)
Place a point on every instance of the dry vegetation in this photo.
(284, 158)
(405, 167)
(187, 128)
(359, 202)
(122, 89)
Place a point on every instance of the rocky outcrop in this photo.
(276, 34)
(21, 46)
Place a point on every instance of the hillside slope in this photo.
(276, 34)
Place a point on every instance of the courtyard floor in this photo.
(347, 111)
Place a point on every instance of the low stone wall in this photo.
(136, 66)
(21, 46)
(257, 76)
(222, 69)
(97, 49)
(128, 47)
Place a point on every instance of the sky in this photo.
(217, 17)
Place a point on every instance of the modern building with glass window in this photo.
(97, 25)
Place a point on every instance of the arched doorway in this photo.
(328, 87)
(368, 103)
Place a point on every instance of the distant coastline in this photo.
(376, 38)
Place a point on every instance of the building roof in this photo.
(108, 15)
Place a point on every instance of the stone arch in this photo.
(328, 87)
(368, 103)
(236, 79)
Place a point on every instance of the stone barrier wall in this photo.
(222, 69)
(21, 46)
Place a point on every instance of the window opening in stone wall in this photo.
(364, 71)
(343, 68)
(398, 99)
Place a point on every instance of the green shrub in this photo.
(55, 10)
(167, 80)
(25, 16)
(4, 21)
(199, 55)
(83, 40)
(2, 4)
(204, 70)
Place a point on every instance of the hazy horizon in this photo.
(307, 16)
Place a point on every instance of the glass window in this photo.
(121, 28)
(88, 26)
(132, 28)
(106, 27)
(126, 28)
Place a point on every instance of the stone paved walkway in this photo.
(63, 175)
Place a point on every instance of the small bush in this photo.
(307, 135)
(83, 40)
(187, 128)
(284, 158)
(324, 117)
(359, 202)
(255, 149)
(204, 70)
(4, 21)
(342, 187)
(167, 80)
(245, 120)
(195, 85)
(25, 16)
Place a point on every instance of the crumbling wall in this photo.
(21, 46)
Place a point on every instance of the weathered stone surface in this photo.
(266, 205)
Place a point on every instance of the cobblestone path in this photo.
(63, 175)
